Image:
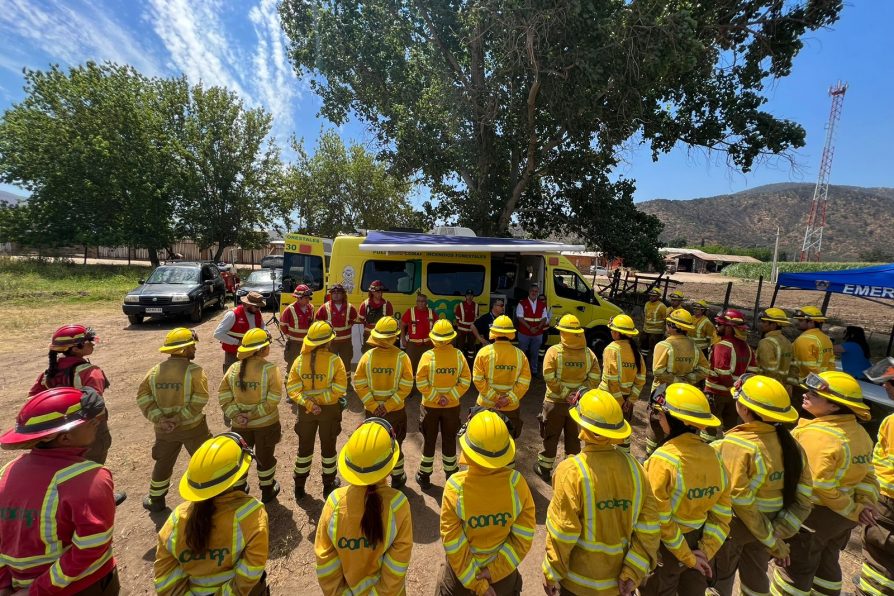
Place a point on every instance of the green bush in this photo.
(755, 270)
(29, 281)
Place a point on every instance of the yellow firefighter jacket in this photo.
(654, 314)
(692, 489)
(442, 371)
(501, 369)
(487, 521)
(602, 522)
(257, 394)
(775, 356)
(346, 561)
(677, 360)
(840, 456)
(813, 352)
(704, 332)
(752, 455)
(568, 366)
(883, 457)
(620, 376)
(324, 385)
(175, 388)
(236, 554)
(384, 376)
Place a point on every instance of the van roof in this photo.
(407, 242)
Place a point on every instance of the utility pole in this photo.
(811, 249)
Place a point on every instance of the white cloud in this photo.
(276, 83)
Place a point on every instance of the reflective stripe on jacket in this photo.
(241, 326)
(487, 521)
(346, 562)
(501, 369)
(341, 320)
(775, 356)
(883, 457)
(620, 376)
(731, 358)
(175, 388)
(384, 376)
(703, 333)
(442, 371)
(566, 369)
(813, 353)
(326, 383)
(602, 522)
(419, 324)
(296, 321)
(654, 315)
(465, 315)
(73, 371)
(257, 395)
(532, 316)
(369, 315)
(677, 360)
(236, 556)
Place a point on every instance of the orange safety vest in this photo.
(465, 315)
(241, 327)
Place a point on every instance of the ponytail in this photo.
(677, 428)
(52, 369)
(792, 463)
(313, 368)
(199, 525)
(371, 523)
(637, 357)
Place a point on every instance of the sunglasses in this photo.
(816, 383)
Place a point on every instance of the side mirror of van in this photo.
(141, 281)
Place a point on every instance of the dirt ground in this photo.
(125, 353)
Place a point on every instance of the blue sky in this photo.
(239, 44)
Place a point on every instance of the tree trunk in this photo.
(153, 256)
(219, 252)
(85, 254)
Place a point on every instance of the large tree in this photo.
(487, 98)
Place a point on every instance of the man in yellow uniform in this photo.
(812, 351)
(654, 314)
(383, 380)
(173, 396)
(443, 377)
(774, 350)
(502, 374)
(703, 331)
(676, 299)
(487, 514)
(602, 530)
(567, 367)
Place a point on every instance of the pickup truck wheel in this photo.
(221, 302)
(135, 319)
(196, 315)
(597, 339)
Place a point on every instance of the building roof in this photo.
(673, 253)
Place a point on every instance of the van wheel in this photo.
(598, 338)
(196, 315)
(135, 319)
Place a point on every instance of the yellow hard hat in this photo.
(569, 324)
(841, 388)
(252, 341)
(810, 313)
(689, 404)
(654, 292)
(623, 324)
(598, 411)
(701, 305)
(218, 464)
(177, 339)
(486, 441)
(677, 295)
(775, 315)
(320, 333)
(442, 332)
(370, 453)
(386, 328)
(502, 325)
(765, 396)
(681, 318)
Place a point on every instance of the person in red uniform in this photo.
(236, 323)
(416, 324)
(533, 320)
(295, 321)
(465, 314)
(372, 309)
(58, 509)
(341, 316)
(731, 357)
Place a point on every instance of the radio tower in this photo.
(816, 217)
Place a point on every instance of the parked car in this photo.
(272, 262)
(598, 270)
(267, 282)
(184, 288)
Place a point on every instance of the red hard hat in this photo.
(377, 286)
(338, 287)
(69, 336)
(302, 291)
(53, 411)
(731, 317)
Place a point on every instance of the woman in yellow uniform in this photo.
(365, 533)
(383, 380)
(317, 384)
(487, 514)
(569, 369)
(501, 373)
(216, 542)
(845, 489)
(442, 378)
(623, 366)
(703, 331)
(692, 489)
(770, 485)
(249, 395)
(602, 522)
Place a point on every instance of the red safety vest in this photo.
(341, 321)
(465, 315)
(531, 316)
(241, 327)
(296, 322)
(419, 328)
(73, 371)
(730, 359)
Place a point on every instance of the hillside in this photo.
(859, 219)
(10, 198)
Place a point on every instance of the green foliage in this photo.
(678, 243)
(755, 270)
(342, 189)
(485, 100)
(878, 255)
(39, 281)
(759, 253)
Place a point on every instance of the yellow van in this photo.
(444, 268)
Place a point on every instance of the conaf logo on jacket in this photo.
(445, 371)
(353, 543)
(574, 364)
(504, 367)
(383, 371)
(313, 376)
(706, 491)
(614, 504)
(861, 459)
(492, 519)
(249, 385)
(176, 386)
(628, 364)
(774, 476)
(214, 554)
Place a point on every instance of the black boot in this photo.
(543, 473)
(120, 497)
(398, 482)
(330, 486)
(299, 488)
(269, 492)
(424, 480)
(154, 504)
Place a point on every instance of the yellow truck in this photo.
(445, 267)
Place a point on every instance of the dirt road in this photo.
(126, 353)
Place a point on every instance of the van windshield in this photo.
(454, 279)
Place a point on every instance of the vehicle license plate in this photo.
(155, 311)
